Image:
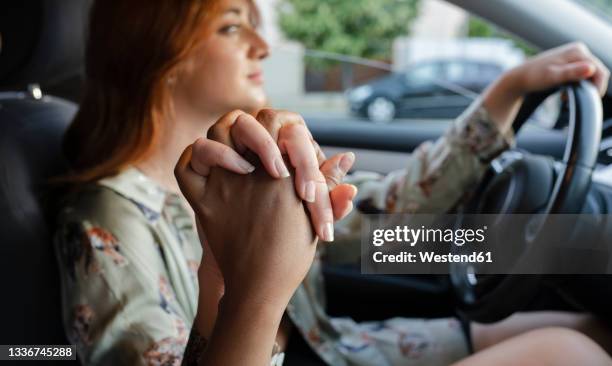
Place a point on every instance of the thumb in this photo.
(335, 168)
(190, 182)
(342, 200)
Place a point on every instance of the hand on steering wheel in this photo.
(569, 63)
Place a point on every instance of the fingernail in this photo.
(591, 69)
(347, 162)
(310, 189)
(328, 232)
(281, 168)
(246, 166)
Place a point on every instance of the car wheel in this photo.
(380, 110)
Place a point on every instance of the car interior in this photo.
(39, 46)
(41, 67)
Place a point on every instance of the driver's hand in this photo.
(571, 62)
(568, 63)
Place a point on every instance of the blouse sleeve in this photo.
(437, 173)
(117, 305)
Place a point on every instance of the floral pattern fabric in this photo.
(437, 175)
(129, 255)
(129, 272)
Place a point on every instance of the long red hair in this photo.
(133, 47)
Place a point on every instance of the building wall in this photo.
(438, 19)
(284, 68)
(439, 32)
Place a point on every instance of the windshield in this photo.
(382, 61)
(601, 8)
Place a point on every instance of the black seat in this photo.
(42, 43)
(30, 136)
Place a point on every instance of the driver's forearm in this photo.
(503, 99)
(244, 333)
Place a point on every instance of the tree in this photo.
(362, 28)
(478, 27)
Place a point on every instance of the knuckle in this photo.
(222, 126)
(199, 144)
(200, 149)
(215, 132)
(242, 118)
(292, 130)
(266, 114)
(320, 179)
(579, 49)
(300, 120)
(301, 128)
(274, 126)
(576, 53)
(553, 72)
(295, 119)
(308, 162)
(178, 174)
(582, 46)
(270, 119)
(301, 132)
(333, 179)
(229, 118)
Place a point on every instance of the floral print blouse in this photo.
(129, 253)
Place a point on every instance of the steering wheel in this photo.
(518, 182)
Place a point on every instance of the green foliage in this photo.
(480, 28)
(363, 28)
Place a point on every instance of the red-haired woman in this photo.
(162, 73)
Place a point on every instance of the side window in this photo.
(395, 61)
(455, 72)
(473, 71)
(490, 72)
(423, 75)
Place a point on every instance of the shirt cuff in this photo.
(476, 131)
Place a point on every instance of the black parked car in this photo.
(432, 89)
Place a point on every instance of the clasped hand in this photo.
(259, 225)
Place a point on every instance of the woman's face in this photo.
(225, 71)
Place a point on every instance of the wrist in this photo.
(244, 333)
(265, 309)
(259, 290)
